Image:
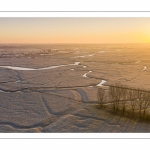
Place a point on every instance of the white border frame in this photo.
(73, 14)
(74, 135)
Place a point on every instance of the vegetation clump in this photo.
(133, 102)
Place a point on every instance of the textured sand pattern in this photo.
(44, 88)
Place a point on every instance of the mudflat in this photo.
(53, 88)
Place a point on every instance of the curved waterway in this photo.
(101, 83)
(85, 75)
(31, 69)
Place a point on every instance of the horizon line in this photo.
(80, 43)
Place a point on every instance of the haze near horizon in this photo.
(74, 30)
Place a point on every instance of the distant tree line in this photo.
(133, 102)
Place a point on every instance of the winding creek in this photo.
(31, 69)
(85, 75)
(101, 83)
(46, 68)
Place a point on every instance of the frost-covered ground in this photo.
(44, 88)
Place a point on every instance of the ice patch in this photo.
(144, 69)
(84, 56)
(101, 83)
(85, 75)
(76, 63)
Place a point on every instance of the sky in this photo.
(75, 30)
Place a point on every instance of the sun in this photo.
(146, 37)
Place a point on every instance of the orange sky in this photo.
(74, 30)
